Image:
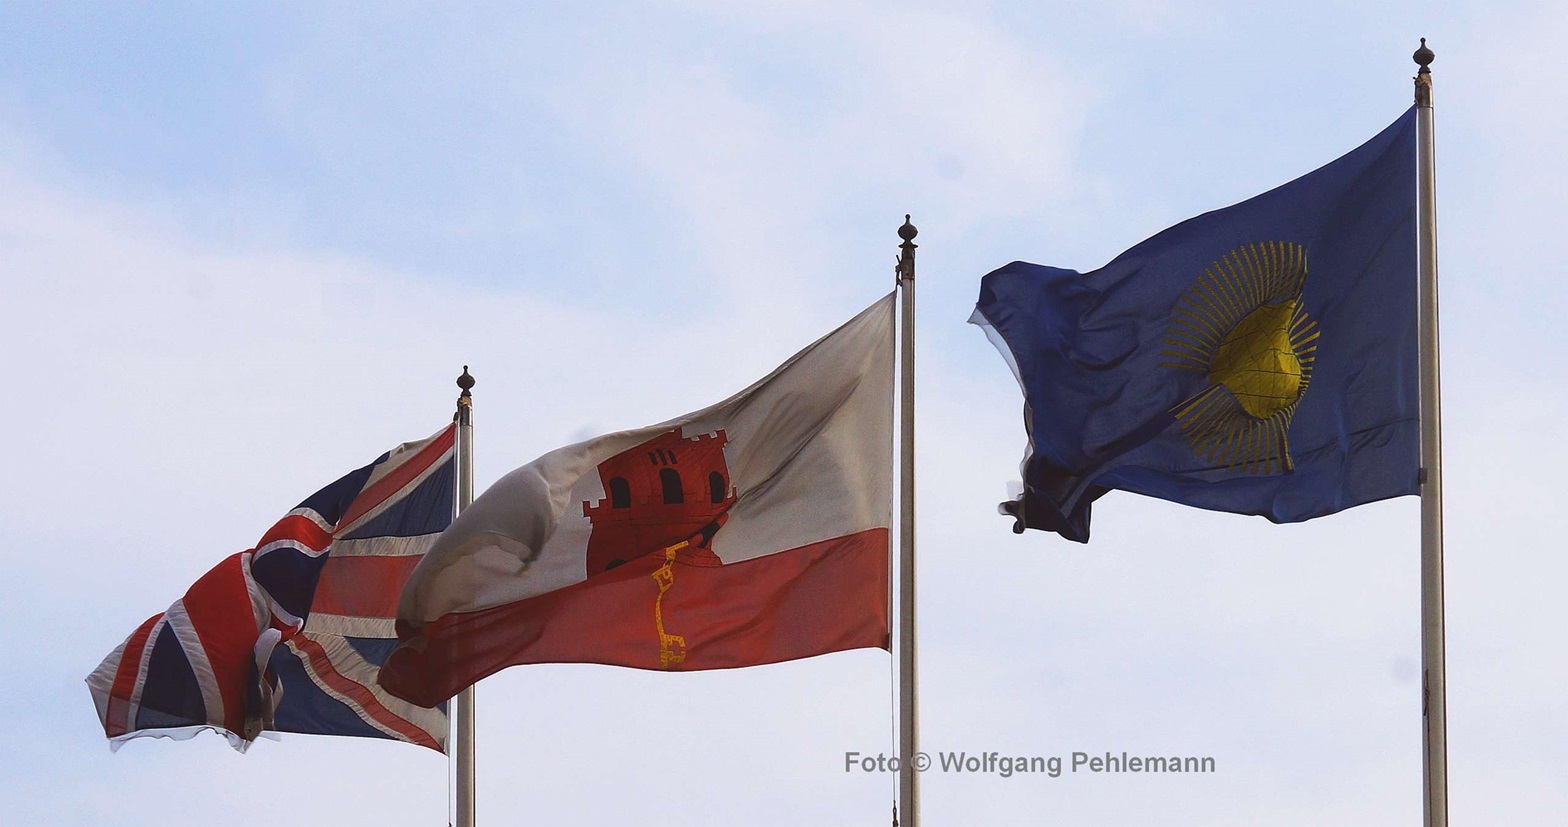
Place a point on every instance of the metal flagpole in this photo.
(463, 710)
(1434, 684)
(908, 708)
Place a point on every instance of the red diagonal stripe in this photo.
(390, 484)
(220, 609)
(322, 664)
(299, 528)
(116, 721)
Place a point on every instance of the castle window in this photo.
(670, 480)
(620, 493)
(716, 490)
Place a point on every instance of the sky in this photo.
(246, 248)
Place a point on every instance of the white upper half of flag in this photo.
(807, 456)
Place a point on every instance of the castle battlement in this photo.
(657, 494)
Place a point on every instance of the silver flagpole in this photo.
(1434, 684)
(908, 707)
(463, 710)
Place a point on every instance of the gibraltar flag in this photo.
(750, 532)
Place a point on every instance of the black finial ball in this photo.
(908, 231)
(1423, 55)
(465, 381)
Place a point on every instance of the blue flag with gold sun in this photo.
(1258, 359)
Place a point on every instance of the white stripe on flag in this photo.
(398, 495)
(351, 666)
(321, 623)
(384, 546)
(211, 695)
(133, 704)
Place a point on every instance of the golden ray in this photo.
(1249, 269)
(1211, 409)
(1262, 272)
(1187, 361)
(1234, 279)
(1234, 434)
(1284, 448)
(1209, 292)
(1244, 449)
(1217, 319)
(1211, 326)
(1220, 277)
(1276, 441)
(1210, 439)
(1265, 445)
(1210, 433)
(1299, 322)
(1254, 447)
(1198, 351)
(1180, 335)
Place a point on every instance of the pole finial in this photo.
(465, 400)
(1423, 57)
(906, 256)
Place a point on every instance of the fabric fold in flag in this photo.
(1259, 359)
(750, 532)
(289, 636)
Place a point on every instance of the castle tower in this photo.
(657, 494)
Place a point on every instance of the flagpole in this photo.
(908, 812)
(463, 709)
(1434, 682)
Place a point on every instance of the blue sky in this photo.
(245, 248)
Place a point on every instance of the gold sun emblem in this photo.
(1242, 324)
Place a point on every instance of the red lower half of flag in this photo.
(658, 612)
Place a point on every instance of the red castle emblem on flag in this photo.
(666, 492)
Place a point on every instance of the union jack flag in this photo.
(289, 636)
